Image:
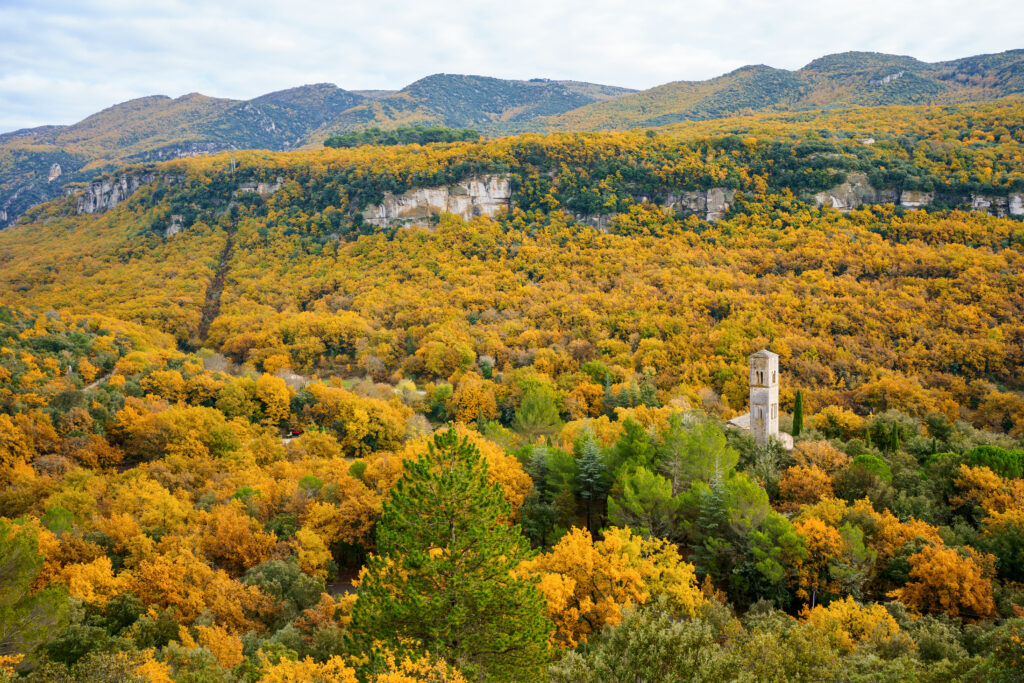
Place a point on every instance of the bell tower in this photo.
(764, 396)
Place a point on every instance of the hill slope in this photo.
(36, 164)
(840, 80)
(288, 258)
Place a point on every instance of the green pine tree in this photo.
(894, 439)
(441, 579)
(798, 413)
(592, 480)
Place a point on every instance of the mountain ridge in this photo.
(37, 164)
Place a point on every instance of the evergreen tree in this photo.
(537, 414)
(592, 480)
(633, 449)
(798, 413)
(894, 438)
(441, 581)
(538, 512)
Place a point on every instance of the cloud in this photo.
(62, 60)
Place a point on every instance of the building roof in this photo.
(764, 353)
(741, 421)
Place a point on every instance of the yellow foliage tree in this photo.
(946, 580)
(802, 486)
(285, 670)
(587, 584)
(276, 398)
(94, 582)
(820, 454)
(473, 399)
(848, 623)
(224, 646)
(232, 539)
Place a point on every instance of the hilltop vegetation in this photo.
(280, 442)
(405, 135)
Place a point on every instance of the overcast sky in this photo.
(61, 60)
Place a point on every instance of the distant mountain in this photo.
(841, 80)
(36, 164)
(492, 105)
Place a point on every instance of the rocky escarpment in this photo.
(711, 205)
(109, 192)
(851, 194)
(857, 191)
(479, 196)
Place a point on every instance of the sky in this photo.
(61, 60)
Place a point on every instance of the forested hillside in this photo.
(36, 164)
(253, 426)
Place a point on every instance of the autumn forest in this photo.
(251, 432)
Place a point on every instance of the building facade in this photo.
(764, 396)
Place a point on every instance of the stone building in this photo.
(763, 419)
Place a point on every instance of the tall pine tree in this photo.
(441, 579)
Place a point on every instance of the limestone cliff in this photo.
(109, 192)
(712, 204)
(857, 190)
(850, 195)
(1016, 205)
(480, 196)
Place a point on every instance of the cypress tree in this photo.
(798, 413)
(441, 580)
(894, 439)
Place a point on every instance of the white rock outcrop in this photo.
(914, 199)
(479, 196)
(108, 193)
(849, 195)
(712, 203)
(1016, 204)
(176, 225)
(54, 173)
(262, 188)
(996, 206)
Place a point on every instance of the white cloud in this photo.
(64, 59)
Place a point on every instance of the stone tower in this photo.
(764, 396)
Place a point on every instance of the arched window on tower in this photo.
(773, 377)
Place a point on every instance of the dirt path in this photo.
(211, 306)
(98, 382)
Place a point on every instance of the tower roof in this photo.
(764, 353)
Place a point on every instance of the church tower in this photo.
(764, 396)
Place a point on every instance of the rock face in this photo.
(108, 193)
(997, 206)
(1016, 205)
(54, 173)
(481, 196)
(914, 199)
(176, 225)
(262, 188)
(713, 203)
(849, 195)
